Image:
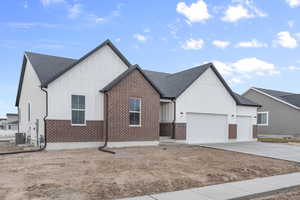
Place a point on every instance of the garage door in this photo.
(244, 128)
(206, 128)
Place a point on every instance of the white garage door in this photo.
(206, 128)
(244, 128)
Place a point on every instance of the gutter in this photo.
(102, 148)
(174, 119)
(45, 132)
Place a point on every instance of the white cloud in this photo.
(196, 12)
(74, 11)
(293, 3)
(291, 23)
(251, 44)
(285, 39)
(221, 44)
(235, 13)
(48, 2)
(140, 37)
(245, 69)
(235, 80)
(292, 68)
(147, 30)
(192, 44)
(254, 65)
(245, 9)
(223, 68)
(118, 39)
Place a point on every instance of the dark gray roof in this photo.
(288, 97)
(125, 74)
(244, 101)
(173, 85)
(47, 66)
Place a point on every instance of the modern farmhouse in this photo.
(81, 103)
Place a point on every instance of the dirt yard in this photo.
(290, 194)
(89, 174)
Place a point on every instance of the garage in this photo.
(206, 128)
(244, 128)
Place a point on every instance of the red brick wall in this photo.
(232, 129)
(180, 131)
(63, 131)
(166, 129)
(134, 85)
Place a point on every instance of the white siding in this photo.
(32, 93)
(166, 112)
(206, 95)
(87, 78)
(248, 111)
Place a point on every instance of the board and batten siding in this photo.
(206, 95)
(32, 93)
(86, 78)
(283, 119)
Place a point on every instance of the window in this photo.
(134, 112)
(29, 112)
(78, 110)
(263, 118)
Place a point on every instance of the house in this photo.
(279, 114)
(80, 103)
(10, 122)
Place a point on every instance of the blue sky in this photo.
(251, 42)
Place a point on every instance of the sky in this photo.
(251, 42)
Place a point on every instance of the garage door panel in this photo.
(244, 128)
(206, 128)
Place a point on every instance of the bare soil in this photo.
(88, 174)
(290, 194)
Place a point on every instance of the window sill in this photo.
(78, 124)
(135, 126)
(262, 124)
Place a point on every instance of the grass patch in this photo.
(279, 140)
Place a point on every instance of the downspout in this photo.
(174, 119)
(45, 132)
(102, 148)
(18, 119)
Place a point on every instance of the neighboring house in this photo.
(78, 102)
(10, 122)
(280, 111)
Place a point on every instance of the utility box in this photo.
(20, 138)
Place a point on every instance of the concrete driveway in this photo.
(273, 150)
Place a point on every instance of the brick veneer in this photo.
(232, 130)
(255, 131)
(180, 131)
(63, 131)
(166, 129)
(133, 85)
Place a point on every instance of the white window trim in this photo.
(138, 125)
(76, 109)
(267, 118)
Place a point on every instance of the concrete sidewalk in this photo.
(230, 190)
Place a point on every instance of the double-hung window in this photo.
(78, 110)
(134, 112)
(263, 118)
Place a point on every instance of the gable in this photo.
(105, 44)
(207, 90)
(290, 99)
